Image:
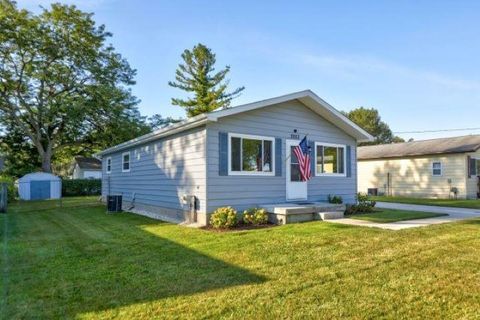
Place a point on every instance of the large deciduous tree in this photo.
(61, 85)
(370, 120)
(197, 75)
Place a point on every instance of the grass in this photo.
(388, 215)
(459, 203)
(79, 262)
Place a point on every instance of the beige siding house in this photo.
(437, 168)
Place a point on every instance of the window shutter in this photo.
(472, 166)
(278, 157)
(349, 161)
(223, 154)
(313, 161)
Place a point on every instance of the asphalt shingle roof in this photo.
(88, 163)
(423, 147)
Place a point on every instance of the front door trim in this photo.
(295, 190)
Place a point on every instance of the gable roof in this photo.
(423, 147)
(307, 97)
(88, 163)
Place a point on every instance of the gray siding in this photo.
(161, 172)
(274, 121)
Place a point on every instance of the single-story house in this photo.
(240, 157)
(87, 168)
(436, 168)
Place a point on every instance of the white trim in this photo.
(303, 184)
(249, 173)
(326, 144)
(172, 129)
(441, 169)
(129, 161)
(109, 159)
(307, 97)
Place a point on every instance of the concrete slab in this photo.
(454, 214)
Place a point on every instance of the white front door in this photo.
(296, 188)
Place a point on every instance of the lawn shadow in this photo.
(84, 262)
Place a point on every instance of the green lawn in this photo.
(387, 215)
(79, 262)
(473, 204)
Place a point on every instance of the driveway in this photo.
(454, 214)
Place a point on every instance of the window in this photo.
(478, 167)
(109, 164)
(126, 162)
(436, 168)
(330, 159)
(250, 155)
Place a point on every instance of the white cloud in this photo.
(355, 67)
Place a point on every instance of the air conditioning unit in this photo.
(114, 203)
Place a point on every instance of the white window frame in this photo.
(326, 144)
(441, 169)
(129, 161)
(249, 173)
(108, 164)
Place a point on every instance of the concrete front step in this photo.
(331, 215)
(284, 213)
(279, 218)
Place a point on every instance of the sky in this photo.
(417, 62)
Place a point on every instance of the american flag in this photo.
(302, 152)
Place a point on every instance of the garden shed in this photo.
(39, 186)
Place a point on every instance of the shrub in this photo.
(335, 199)
(81, 187)
(364, 205)
(223, 218)
(255, 216)
(11, 189)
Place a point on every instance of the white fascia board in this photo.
(170, 130)
(312, 101)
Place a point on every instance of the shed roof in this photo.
(88, 163)
(39, 176)
(423, 147)
(307, 97)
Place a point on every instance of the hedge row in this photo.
(81, 187)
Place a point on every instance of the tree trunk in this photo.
(47, 162)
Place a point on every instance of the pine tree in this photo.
(197, 75)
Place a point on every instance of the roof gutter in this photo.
(170, 130)
(360, 158)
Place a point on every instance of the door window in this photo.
(294, 166)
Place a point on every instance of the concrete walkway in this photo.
(454, 214)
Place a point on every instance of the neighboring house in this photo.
(87, 168)
(429, 168)
(239, 157)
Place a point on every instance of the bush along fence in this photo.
(81, 187)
